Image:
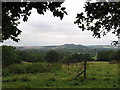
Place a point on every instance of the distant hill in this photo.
(60, 47)
(28, 47)
(103, 46)
(70, 48)
(67, 46)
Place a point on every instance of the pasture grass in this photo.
(99, 75)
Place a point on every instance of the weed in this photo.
(52, 79)
(93, 78)
(24, 78)
(76, 83)
(24, 86)
(107, 79)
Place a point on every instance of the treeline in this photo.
(10, 56)
(107, 55)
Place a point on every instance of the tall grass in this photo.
(15, 78)
(31, 68)
(99, 75)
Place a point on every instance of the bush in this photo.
(5, 72)
(56, 66)
(31, 68)
(24, 78)
(52, 79)
(9, 56)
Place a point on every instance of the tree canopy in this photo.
(52, 56)
(76, 57)
(9, 56)
(107, 55)
(100, 18)
(13, 11)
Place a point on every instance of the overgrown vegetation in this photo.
(31, 68)
(99, 75)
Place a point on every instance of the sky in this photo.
(45, 30)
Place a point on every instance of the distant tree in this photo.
(76, 57)
(106, 55)
(67, 59)
(87, 57)
(117, 55)
(102, 56)
(30, 56)
(52, 56)
(81, 57)
(72, 58)
(9, 56)
(100, 18)
(13, 11)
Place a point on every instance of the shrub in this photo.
(9, 56)
(31, 68)
(5, 72)
(24, 78)
(56, 66)
(52, 79)
(17, 69)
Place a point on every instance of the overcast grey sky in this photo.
(42, 30)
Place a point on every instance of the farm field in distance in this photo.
(100, 74)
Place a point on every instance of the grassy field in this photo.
(99, 75)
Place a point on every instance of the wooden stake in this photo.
(85, 70)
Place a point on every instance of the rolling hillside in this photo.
(70, 48)
(67, 46)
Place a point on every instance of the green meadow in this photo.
(100, 74)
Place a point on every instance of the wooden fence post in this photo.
(85, 69)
